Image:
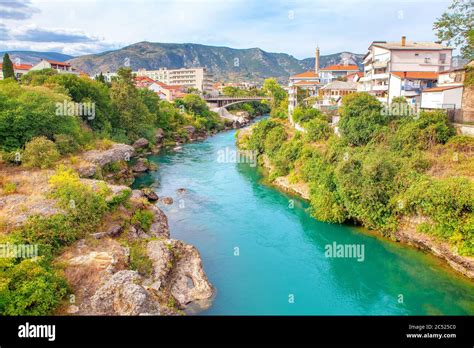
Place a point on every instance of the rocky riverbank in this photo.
(129, 265)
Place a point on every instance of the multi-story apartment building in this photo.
(199, 78)
(403, 68)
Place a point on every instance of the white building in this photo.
(385, 58)
(332, 93)
(308, 81)
(332, 72)
(108, 76)
(199, 78)
(60, 67)
(443, 97)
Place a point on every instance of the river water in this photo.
(266, 256)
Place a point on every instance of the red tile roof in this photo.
(341, 68)
(307, 74)
(441, 88)
(20, 66)
(418, 75)
(306, 83)
(55, 62)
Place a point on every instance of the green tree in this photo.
(7, 67)
(455, 26)
(275, 91)
(360, 118)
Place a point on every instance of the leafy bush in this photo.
(432, 127)
(40, 153)
(286, 156)
(144, 218)
(139, 260)
(274, 140)
(66, 144)
(29, 288)
(449, 204)
(317, 129)
(259, 132)
(28, 112)
(301, 115)
(360, 118)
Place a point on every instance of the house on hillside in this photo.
(164, 91)
(60, 67)
(18, 69)
(386, 63)
(332, 93)
(154, 86)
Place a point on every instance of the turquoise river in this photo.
(265, 255)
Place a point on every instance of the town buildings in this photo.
(198, 78)
(331, 94)
(333, 72)
(308, 81)
(386, 63)
(163, 90)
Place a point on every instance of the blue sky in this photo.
(294, 27)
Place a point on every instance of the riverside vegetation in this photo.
(381, 170)
(35, 138)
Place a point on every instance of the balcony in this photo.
(382, 76)
(380, 64)
(380, 87)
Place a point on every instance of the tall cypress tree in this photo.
(7, 67)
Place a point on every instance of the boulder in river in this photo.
(150, 194)
(166, 200)
(141, 166)
(141, 143)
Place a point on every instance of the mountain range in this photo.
(226, 64)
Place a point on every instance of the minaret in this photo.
(316, 61)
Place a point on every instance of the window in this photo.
(442, 58)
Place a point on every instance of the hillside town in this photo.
(422, 73)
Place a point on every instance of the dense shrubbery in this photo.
(374, 173)
(40, 153)
(28, 112)
(317, 129)
(121, 112)
(360, 118)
